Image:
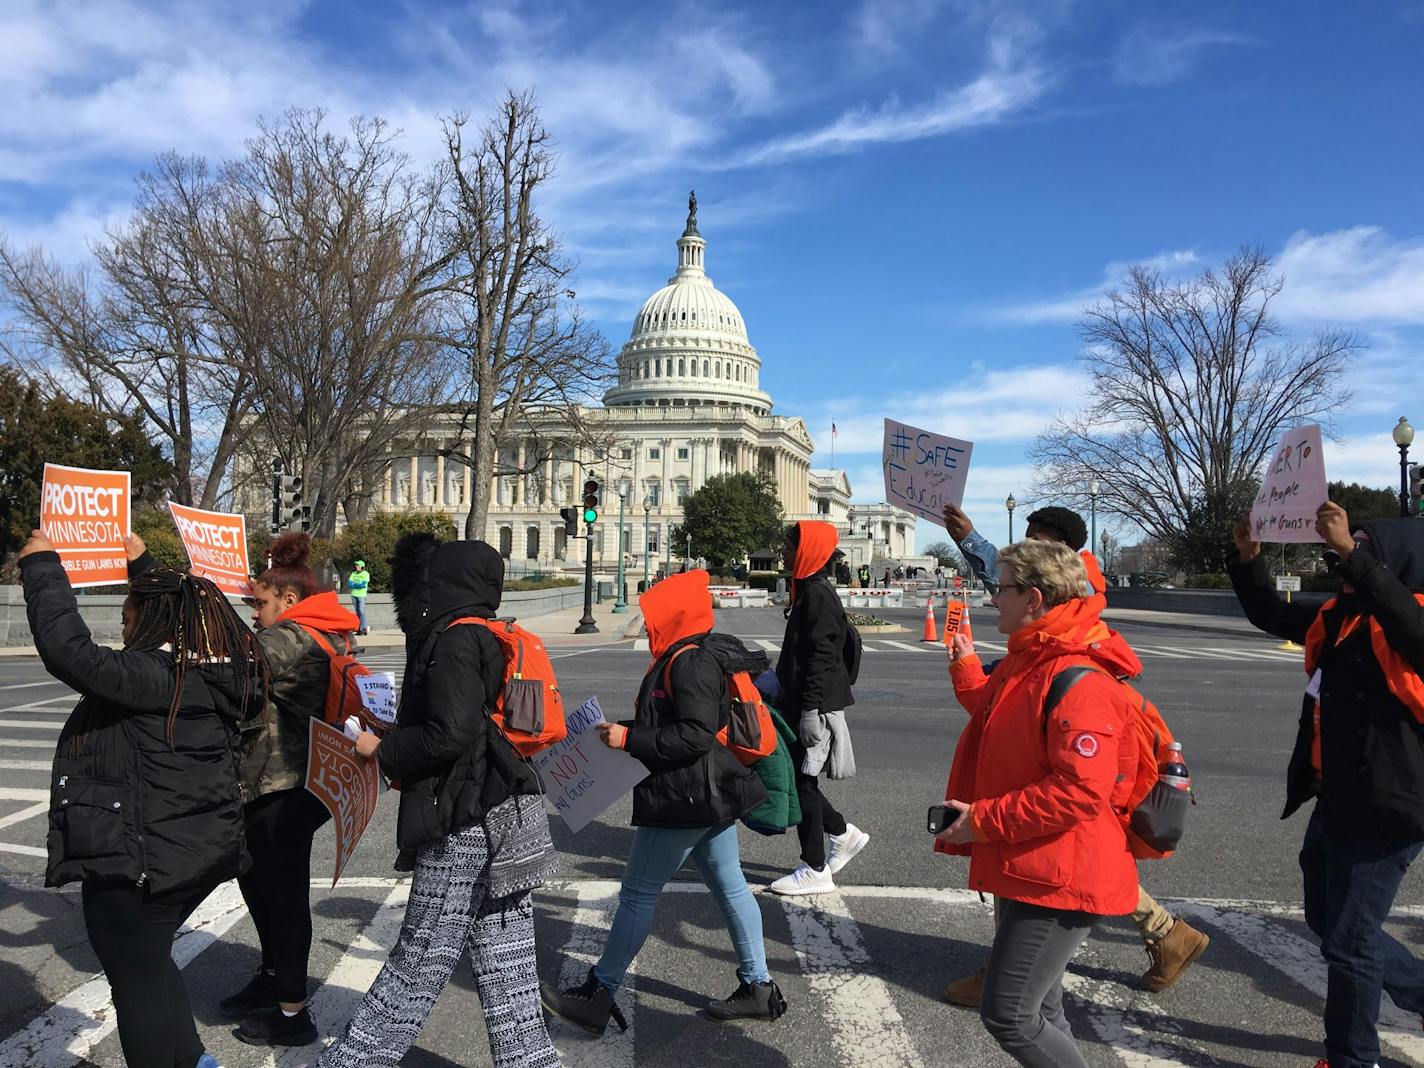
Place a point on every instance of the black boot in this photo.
(588, 1005)
(276, 1028)
(750, 1001)
(258, 994)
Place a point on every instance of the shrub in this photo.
(1207, 582)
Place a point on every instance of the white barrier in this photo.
(872, 598)
(740, 598)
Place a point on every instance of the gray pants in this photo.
(1022, 1005)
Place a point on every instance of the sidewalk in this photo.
(556, 628)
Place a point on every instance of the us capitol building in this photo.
(688, 405)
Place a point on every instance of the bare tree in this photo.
(531, 363)
(1191, 385)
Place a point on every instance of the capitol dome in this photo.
(689, 344)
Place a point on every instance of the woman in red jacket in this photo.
(1035, 797)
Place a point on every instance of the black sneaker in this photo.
(750, 1001)
(275, 1028)
(259, 993)
(588, 1005)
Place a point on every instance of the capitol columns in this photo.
(665, 493)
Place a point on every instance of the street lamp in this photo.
(620, 604)
(1403, 437)
(1093, 496)
(1011, 504)
(688, 555)
(647, 507)
(1105, 566)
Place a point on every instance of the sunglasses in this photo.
(993, 588)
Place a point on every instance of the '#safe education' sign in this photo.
(582, 776)
(924, 471)
(85, 515)
(1292, 488)
(217, 546)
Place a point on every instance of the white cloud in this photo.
(882, 26)
(1069, 307)
(1158, 55)
(1360, 274)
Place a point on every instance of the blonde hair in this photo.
(1047, 566)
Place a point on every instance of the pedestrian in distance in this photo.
(1172, 944)
(145, 811)
(815, 692)
(1032, 802)
(687, 808)
(359, 583)
(887, 577)
(296, 624)
(471, 823)
(1359, 752)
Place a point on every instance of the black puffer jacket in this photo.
(129, 807)
(811, 668)
(1372, 745)
(452, 763)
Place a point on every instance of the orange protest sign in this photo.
(953, 619)
(217, 546)
(85, 515)
(346, 784)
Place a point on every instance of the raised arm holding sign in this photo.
(924, 471)
(85, 515)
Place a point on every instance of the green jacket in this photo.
(359, 583)
(781, 809)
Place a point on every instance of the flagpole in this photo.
(833, 446)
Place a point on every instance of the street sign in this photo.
(1287, 583)
(958, 581)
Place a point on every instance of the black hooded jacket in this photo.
(128, 806)
(452, 763)
(1371, 744)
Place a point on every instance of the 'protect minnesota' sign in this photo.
(217, 546)
(85, 515)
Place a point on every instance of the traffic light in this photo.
(590, 501)
(1416, 489)
(290, 513)
(570, 516)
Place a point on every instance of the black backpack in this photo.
(851, 649)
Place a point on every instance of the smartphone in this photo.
(940, 817)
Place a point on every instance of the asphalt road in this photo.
(861, 968)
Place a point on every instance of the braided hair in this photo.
(190, 614)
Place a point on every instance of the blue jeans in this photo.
(656, 854)
(1350, 884)
(359, 604)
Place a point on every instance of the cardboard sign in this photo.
(378, 694)
(924, 471)
(953, 620)
(346, 784)
(1287, 583)
(85, 515)
(1292, 488)
(582, 777)
(217, 546)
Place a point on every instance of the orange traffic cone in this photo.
(931, 631)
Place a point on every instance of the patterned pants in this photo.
(448, 914)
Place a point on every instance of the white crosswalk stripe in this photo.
(1182, 652)
(841, 988)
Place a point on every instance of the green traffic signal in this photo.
(590, 515)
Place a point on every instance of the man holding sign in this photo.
(85, 516)
(282, 814)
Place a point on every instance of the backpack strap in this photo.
(1062, 682)
(667, 668)
(320, 639)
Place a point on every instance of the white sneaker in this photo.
(804, 880)
(844, 847)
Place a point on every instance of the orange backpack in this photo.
(749, 734)
(343, 694)
(529, 711)
(1152, 813)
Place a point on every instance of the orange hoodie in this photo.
(678, 606)
(323, 612)
(815, 543)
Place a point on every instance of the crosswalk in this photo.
(861, 969)
(1268, 654)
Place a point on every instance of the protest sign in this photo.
(378, 694)
(924, 471)
(1292, 488)
(85, 515)
(953, 619)
(345, 783)
(217, 546)
(581, 775)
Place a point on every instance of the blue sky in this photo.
(909, 200)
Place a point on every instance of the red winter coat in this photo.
(1043, 794)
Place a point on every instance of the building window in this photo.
(645, 368)
(653, 533)
(561, 543)
(683, 453)
(655, 453)
(680, 491)
(704, 368)
(655, 493)
(531, 544)
(657, 368)
(506, 542)
(625, 454)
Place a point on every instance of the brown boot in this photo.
(968, 991)
(1172, 954)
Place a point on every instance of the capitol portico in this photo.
(687, 405)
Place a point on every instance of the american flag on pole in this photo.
(834, 431)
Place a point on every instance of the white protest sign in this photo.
(1292, 488)
(924, 471)
(581, 775)
(378, 694)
